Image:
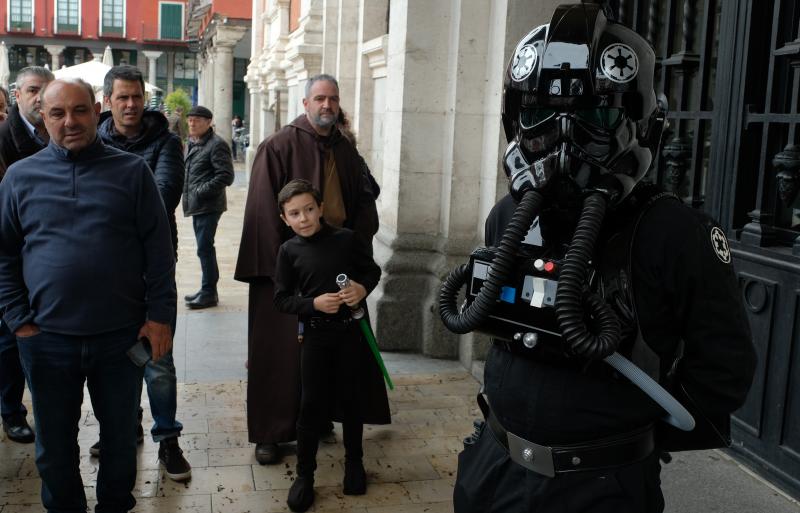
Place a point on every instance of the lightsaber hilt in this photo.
(342, 281)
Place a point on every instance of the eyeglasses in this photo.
(601, 117)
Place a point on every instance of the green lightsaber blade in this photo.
(367, 331)
(342, 281)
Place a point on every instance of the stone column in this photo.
(369, 103)
(347, 54)
(223, 42)
(152, 57)
(223, 90)
(208, 82)
(434, 139)
(304, 51)
(55, 53)
(201, 71)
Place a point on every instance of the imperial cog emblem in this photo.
(619, 63)
(720, 244)
(524, 62)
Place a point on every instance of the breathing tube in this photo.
(502, 265)
(573, 300)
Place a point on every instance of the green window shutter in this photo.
(67, 16)
(21, 14)
(113, 17)
(171, 21)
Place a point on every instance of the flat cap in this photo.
(200, 112)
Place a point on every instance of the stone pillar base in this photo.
(404, 306)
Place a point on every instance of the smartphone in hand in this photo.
(140, 353)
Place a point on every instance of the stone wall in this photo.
(424, 95)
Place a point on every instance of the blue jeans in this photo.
(12, 380)
(205, 229)
(56, 367)
(163, 393)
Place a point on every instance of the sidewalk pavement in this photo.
(411, 463)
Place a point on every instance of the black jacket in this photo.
(161, 149)
(16, 143)
(209, 169)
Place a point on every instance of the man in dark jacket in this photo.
(22, 135)
(86, 269)
(128, 127)
(310, 147)
(209, 169)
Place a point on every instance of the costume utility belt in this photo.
(604, 453)
(329, 323)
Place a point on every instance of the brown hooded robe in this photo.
(273, 376)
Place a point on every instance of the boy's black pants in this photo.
(328, 373)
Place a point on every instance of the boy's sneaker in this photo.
(355, 478)
(95, 449)
(171, 456)
(301, 494)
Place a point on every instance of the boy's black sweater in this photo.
(308, 266)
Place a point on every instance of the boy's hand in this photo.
(353, 294)
(327, 303)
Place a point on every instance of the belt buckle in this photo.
(535, 457)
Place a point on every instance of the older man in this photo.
(127, 126)
(313, 148)
(86, 269)
(22, 135)
(209, 170)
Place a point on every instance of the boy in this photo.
(338, 376)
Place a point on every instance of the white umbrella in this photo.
(5, 73)
(108, 57)
(93, 72)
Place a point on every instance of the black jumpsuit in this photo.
(687, 301)
(339, 379)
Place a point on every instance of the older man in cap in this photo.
(209, 170)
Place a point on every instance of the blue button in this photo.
(508, 294)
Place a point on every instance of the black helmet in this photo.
(578, 103)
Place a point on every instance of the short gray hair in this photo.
(38, 71)
(317, 78)
(74, 81)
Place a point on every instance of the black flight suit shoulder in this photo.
(690, 310)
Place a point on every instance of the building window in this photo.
(113, 18)
(20, 15)
(67, 16)
(185, 66)
(170, 21)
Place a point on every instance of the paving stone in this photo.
(234, 479)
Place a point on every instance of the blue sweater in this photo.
(84, 243)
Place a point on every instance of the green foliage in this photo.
(179, 98)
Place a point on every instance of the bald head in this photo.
(70, 113)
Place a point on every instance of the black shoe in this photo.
(18, 430)
(301, 494)
(355, 478)
(171, 456)
(95, 449)
(191, 297)
(268, 454)
(203, 300)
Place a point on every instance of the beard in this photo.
(324, 120)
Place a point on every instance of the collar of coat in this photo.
(23, 140)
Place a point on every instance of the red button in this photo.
(549, 267)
